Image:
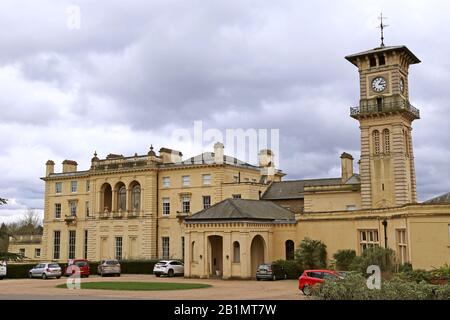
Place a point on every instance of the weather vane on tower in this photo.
(382, 26)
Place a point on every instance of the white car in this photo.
(169, 268)
(45, 270)
(2, 269)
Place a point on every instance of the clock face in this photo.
(402, 85)
(379, 84)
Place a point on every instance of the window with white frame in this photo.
(402, 248)
(118, 255)
(56, 244)
(166, 206)
(186, 181)
(73, 208)
(186, 204)
(22, 252)
(206, 179)
(351, 207)
(72, 243)
(73, 186)
(58, 187)
(37, 252)
(87, 208)
(206, 202)
(165, 247)
(166, 182)
(368, 239)
(57, 210)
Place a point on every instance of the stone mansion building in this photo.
(223, 216)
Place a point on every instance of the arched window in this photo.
(236, 252)
(387, 141)
(122, 198)
(136, 198)
(289, 244)
(193, 251)
(376, 141)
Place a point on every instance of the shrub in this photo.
(344, 258)
(137, 266)
(382, 257)
(354, 287)
(311, 254)
(416, 276)
(405, 267)
(18, 271)
(291, 267)
(442, 272)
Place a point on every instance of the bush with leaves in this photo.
(311, 254)
(382, 257)
(344, 258)
(292, 268)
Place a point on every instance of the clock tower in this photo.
(385, 116)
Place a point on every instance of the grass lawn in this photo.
(139, 286)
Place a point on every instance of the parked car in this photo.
(309, 278)
(270, 271)
(169, 268)
(2, 269)
(83, 264)
(46, 270)
(109, 267)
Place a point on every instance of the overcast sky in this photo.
(137, 70)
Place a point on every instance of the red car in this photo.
(80, 263)
(311, 277)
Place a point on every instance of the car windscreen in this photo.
(112, 262)
(264, 267)
(53, 265)
(81, 263)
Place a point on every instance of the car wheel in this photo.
(170, 273)
(58, 277)
(257, 279)
(44, 276)
(118, 274)
(157, 275)
(306, 290)
(1, 278)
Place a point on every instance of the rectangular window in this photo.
(206, 179)
(56, 244)
(58, 187)
(85, 244)
(166, 182)
(182, 248)
(73, 208)
(72, 243)
(351, 207)
(73, 186)
(186, 181)
(37, 252)
(88, 185)
(402, 248)
(57, 210)
(206, 202)
(22, 252)
(87, 208)
(236, 196)
(165, 248)
(166, 206)
(186, 204)
(368, 239)
(119, 248)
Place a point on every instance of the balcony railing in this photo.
(383, 107)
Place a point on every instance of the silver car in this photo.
(2, 269)
(45, 270)
(109, 267)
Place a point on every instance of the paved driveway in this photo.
(221, 289)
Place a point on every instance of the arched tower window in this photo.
(236, 252)
(289, 244)
(122, 204)
(376, 141)
(387, 141)
(136, 198)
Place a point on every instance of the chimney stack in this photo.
(170, 156)
(218, 152)
(49, 168)
(346, 166)
(69, 166)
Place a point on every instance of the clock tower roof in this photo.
(383, 50)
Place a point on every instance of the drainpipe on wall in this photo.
(385, 233)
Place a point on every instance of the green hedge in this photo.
(20, 271)
(292, 268)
